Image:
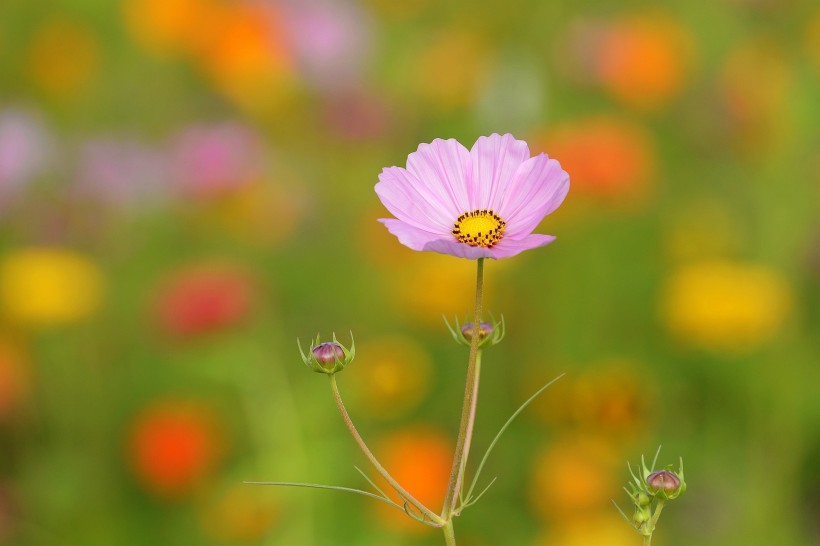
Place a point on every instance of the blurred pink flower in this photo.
(121, 172)
(24, 150)
(330, 38)
(208, 160)
(357, 116)
(481, 203)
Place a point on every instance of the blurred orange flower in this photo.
(173, 446)
(63, 58)
(644, 60)
(15, 378)
(204, 298)
(574, 477)
(726, 306)
(420, 459)
(240, 46)
(49, 286)
(611, 399)
(606, 156)
(172, 26)
(394, 378)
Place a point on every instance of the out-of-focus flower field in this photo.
(186, 187)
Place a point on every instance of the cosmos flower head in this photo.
(478, 203)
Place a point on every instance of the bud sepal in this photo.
(489, 333)
(329, 357)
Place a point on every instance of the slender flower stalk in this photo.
(468, 407)
(449, 535)
(406, 497)
(647, 539)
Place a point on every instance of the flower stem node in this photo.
(489, 333)
(328, 357)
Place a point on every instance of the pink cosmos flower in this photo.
(481, 203)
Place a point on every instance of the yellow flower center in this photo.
(479, 228)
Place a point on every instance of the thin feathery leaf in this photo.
(477, 497)
(372, 483)
(618, 508)
(328, 487)
(503, 428)
(655, 459)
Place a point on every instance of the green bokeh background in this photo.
(730, 176)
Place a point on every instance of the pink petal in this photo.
(495, 161)
(421, 240)
(510, 247)
(443, 169)
(538, 187)
(412, 202)
(408, 235)
(459, 250)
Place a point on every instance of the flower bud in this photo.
(484, 330)
(328, 353)
(328, 357)
(642, 499)
(489, 333)
(641, 516)
(665, 483)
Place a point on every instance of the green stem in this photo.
(647, 539)
(372, 458)
(468, 407)
(449, 535)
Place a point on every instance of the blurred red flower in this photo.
(607, 156)
(203, 299)
(173, 446)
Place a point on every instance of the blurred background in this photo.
(186, 187)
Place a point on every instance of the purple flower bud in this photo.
(328, 354)
(663, 480)
(484, 330)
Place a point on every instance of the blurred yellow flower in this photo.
(49, 286)
(725, 306)
(606, 528)
(448, 71)
(434, 285)
(63, 57)
(394, 376)
(702, 229)
(573, 477)
(239, 514)
(813, 39)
